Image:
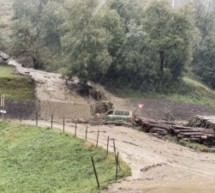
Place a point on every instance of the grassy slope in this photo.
(41, 160)
(190, 91)
(198, 93)
(15, 86)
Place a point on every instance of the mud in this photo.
(157, 165)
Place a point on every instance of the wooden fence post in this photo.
(20, 118)
(37, 119)
(97, 141)
(63, 124)
(114, 146)
(108, 140)
(52, 119)
(94, 168)
(117, 164)
(76, 129)
(86, 133)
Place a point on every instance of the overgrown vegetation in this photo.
(41, 160)
(15, 86)
(137, 45)
(6, 13)
(146, 44)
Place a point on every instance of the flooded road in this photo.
(158, 166)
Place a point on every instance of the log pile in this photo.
(202, 121)
(157, 128)
(162, 128)
(195, 134)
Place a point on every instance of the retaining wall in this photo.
(67, 110)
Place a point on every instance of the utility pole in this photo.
(2, 106)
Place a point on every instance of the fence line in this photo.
(84, 134)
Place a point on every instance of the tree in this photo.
(85, 42)
(125, 41)
(204, 53)
(29, 31)
(169, 38)
(1, 41)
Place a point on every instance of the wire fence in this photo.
(16, 109)
(31, 110)
(90, 135)
(28, 109)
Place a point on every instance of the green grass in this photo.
(190, 144)
(197, 93)
(189, 91)
(15, 86)
(7, 72)
(196, 146)
(36, 160)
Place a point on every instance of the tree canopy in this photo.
(143, 44)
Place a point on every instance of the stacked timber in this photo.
(202, 121)
(195, 134)
(162, 128)
(159, 128)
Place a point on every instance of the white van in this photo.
(123, 115)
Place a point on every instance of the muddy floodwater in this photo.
(158, 166)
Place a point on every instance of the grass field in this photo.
(36, 160)
(15, 86)
(7, 72)
(197, 93)
(190, 91)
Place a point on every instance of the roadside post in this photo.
(2, 106)
(141, 106)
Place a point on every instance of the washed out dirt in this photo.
(49, 86)
(157, 165)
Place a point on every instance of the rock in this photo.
(103, 107)
(4, 56)
(97, 94)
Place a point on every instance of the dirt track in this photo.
(157, 165)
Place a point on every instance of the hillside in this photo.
(117, 45)
(51, 86)
(15, 86)
(189, 91)
(113, 42)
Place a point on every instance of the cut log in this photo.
(196, 134)
(202, 121)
